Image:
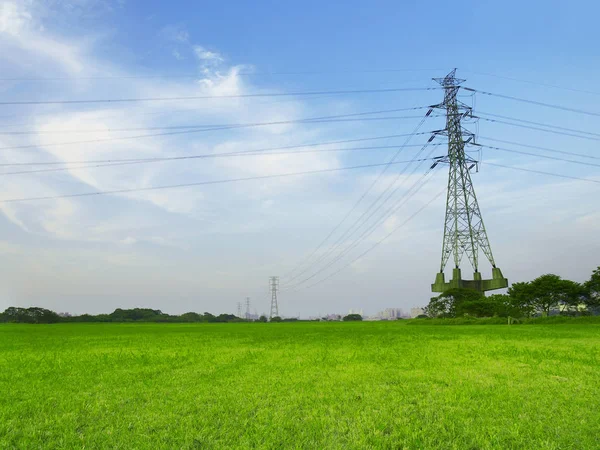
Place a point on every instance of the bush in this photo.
(352, 318)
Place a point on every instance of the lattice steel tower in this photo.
(247, 307)
(274, 287)
(464, 232)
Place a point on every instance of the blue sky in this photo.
(205, 248)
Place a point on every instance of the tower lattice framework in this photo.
(274, 287)
(464, 231)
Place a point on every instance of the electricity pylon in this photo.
(274, 287)
(239, 310)
(464, 232)
(247, 307)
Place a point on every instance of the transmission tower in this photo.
(239, 310)
(274, 287)
(247, 307)
(464, 232)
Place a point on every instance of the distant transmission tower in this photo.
(239, 309)
(464, 232)
(247, 307)
(274, 287)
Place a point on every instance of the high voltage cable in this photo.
(200, 183)
(358, 223)
(177, 127)
(360, 199)
(581, 155)
(591, 138)
(534, 102)
(214, 97)
(376, 244)
(109, 163)
(141, 107)
(404, 199)
(202, 130)
(260, 151)
(538, 155)
(125, 77)
(539, 123)
(369, 230)
(538, 83)
(544, 173)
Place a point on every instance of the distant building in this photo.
(389, 314)
(414, 312)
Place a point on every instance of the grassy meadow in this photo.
(373, 385)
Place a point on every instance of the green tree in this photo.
(455, 302)
(504, 306)
(352, 317)
(276, 319)
(263, 319)
(547, 292)
(592, 291)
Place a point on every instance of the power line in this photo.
(214, 97)
(257, 152)
(363, 219)
(176, 133)
(539, 148)
(201, 128)
(376, 244)
(540, 123)
(544, 173)
(192, 76)
(179, 127)
(129, 114)
(353, 208)
(533, 102)
(538, 155)
(110, 163)
(591, 138)
(200, 183)
(537, 83)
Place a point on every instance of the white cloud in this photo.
(207, 57)
(14, 18)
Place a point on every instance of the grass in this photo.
(379, 385)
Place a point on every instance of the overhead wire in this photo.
(307, 259)
(519, 144)
(215, 97)
(379, 242)
(125, 162)
(563, 133)
(537, 123)
(179, 127)
(537, 83)
(544, 173)
(190, 75)
(533, 102)
(202, 130)
(200, 183)
(538, 155)
(409, 194)
(365, 216)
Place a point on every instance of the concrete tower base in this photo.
(497, 282)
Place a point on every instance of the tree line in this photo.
(42, 315)
(548, 294)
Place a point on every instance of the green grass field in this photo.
(300, 385)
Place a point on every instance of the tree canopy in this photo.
(352, 318)
(545, 295)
